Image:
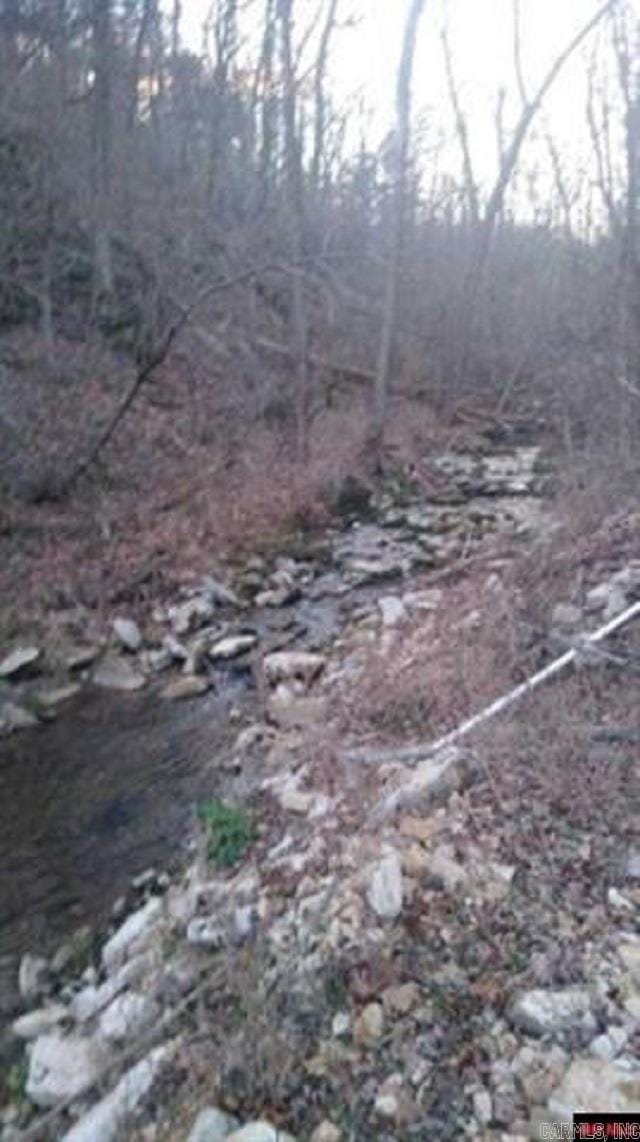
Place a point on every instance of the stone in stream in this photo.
(115, 673)
(21, 661)
(128, 634)
(14, 717)
(191, 686)
(232, 647)
(63, 1067)
(51, 699)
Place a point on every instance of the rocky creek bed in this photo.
(402, 969)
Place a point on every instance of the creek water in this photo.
(95, 797)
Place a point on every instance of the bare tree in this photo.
(401, 143)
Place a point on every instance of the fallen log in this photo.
(422, 752)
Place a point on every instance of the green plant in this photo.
(228, 832)
(17, 1081)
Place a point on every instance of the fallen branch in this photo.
(156, 358)
(426, 750)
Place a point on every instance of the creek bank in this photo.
(324, 906)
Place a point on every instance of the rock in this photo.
(63, 1067)
(392, 610)
(629, 953)
(39, 1022)
(433, 780)
(14, 717)
(618, 902)
(566, 617)
(326, 1132)
(191, 615)
(206, 932)
(482, 1107)
(33, 977)
(591, 1084)
(128, 634)
(446, 871)
(107, 1121)
(232, 647)
(115, 673)
(340, 1024)
(295, 801)
(259, 1132)
(21, 661)
(293, 666)
(632, 865)
(159, 659)
(80, 657)
(190, 686)
(539, 1069)
(369, 1025)
(417, 828)
(51, 699)
(611, 1044)
(212, 1125)
(288, 711)
(542, 1012)
(385, 887)
(127, 1017)
(415, 861)
(133, 935)
(402, 999)
(608, 598)
(218, 593)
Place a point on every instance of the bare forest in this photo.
(319, 570)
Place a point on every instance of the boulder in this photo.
(63, 1067)
(21, 661)
(128, 634)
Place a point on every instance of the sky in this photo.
(365, 56)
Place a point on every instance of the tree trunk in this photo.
(102, 143)
(401, 155)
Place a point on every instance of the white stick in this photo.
(421, 752)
